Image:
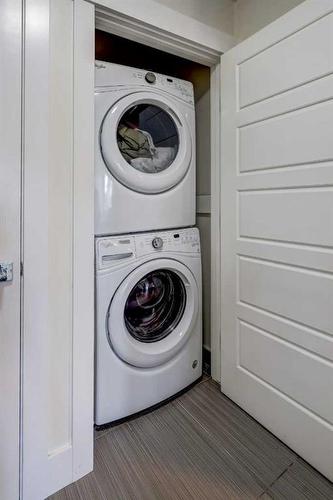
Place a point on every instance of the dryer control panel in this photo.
(115, 75)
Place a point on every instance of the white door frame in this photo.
(132, 28)
(43, 474)
(10, 244)
(35, 246)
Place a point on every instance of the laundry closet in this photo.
(263, 206)
(121, 51)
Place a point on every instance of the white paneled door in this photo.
(277, 229)
(10, 182)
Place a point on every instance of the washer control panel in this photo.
(119, 250)
(150, 77)
(182, 240)
(113, 251)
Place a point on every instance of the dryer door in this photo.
(152, 313)
(145, 143)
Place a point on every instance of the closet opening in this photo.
(118, 50)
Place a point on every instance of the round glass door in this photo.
(146, 142)
(147, 138)
(155, 306)
(153, 312)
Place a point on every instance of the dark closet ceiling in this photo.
(112, 48)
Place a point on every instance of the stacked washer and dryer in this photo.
(148, 260)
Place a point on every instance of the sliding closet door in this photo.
(277, 229)
(10, 196)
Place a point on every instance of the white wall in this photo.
(215, 13)
(181, 19)
(252, 15)
(204, 225)
(203, 189)
(202, 107)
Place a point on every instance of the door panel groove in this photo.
(286, 319)
(290, 89)
(289, 342)
(306, 270)
(294, 166)
(281, 394)
(295, 189)
(290, 244)
(291, 111)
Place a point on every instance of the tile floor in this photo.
(199, 446)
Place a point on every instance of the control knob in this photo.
(150, 77)
(157, 243)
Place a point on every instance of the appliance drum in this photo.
(155, 306)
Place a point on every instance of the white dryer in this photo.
(148, 320)
(144, 151)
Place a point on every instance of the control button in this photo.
(150, 77)
(157, 243)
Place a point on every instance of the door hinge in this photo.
(21, 268)
(6, 272)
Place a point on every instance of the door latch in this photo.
(6, 272)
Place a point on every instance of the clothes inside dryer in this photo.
(147, 138)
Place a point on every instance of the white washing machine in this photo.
(144, 151)
(148, 320)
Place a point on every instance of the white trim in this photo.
(35, 249)
(83, 239)
(44, 473)
(60, 167)
(159, 26)
(59, 465)
(215, 334)
(142, 33)
(10, 245)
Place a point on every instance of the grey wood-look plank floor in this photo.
(199, 446)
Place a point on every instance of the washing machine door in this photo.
(152, 313)
(146, 143)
